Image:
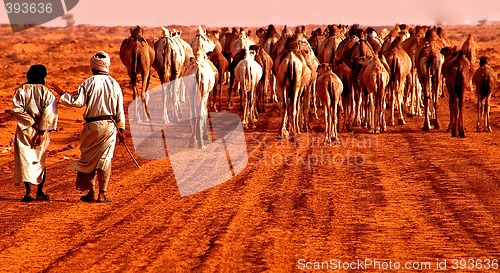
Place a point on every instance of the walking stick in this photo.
(124, 144)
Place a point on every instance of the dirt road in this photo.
(401, 196)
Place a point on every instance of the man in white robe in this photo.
(104, 114)
(35, 111)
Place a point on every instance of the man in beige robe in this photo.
(35, 111)
(104, 114)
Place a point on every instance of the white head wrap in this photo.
(99, 63)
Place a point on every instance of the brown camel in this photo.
(344, 73)
(329, 88)
(288, 83)
(220, 62)
(484, 80)
(268, 38)
(412, 46)
(316, 39)
(327, 50)
(266, 62)
(138, 56)
(226, 39)
(457, 72)
(375, 79)
(400, 68)
(429, 65)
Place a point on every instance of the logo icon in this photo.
(25, 14)
(195, 169)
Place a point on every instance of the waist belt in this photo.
(98, 118)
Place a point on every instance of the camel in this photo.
(280, 45)
(429, 65)
(226, 39)
(248, 72)
(470, 49)
(265, 83)
(214, 36)
(268, 38)
(170, 62)
(220, 62)
(200, 40)
(137, 56)
(329, 88)
(288, 84)
(344, 73)
(414, 96)
(484, 80)
(198, 93)
(400, 68)
(457, 72)
(240, 43)
(375, 79)
(232, 79)
(327, 49)
(353, 56)
(316, 39)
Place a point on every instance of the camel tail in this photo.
(485, 86)
(290, 75)
(135, 65)
(248, 78)
(394, 69)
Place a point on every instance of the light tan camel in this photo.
(329, 89)
(248, 72)
(429, 65)
(138, 56)
(470, 49)
(400, 67)
(170, 62)
(198, 92)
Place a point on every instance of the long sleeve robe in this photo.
(34, 105)
(102, 96)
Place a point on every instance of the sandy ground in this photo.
(403, 196)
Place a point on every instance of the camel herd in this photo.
(353, 74)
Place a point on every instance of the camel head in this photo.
(260, 32)
(136, 31)
(271, 31)
(165, 32)
(200, 31)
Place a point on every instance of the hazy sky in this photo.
(263, 12)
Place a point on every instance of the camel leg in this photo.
(327, 126)
(392, 102)
(335, 112)
(479, 113)
(427, 124)
(487, 113)
(400, 94)
(436, 95)
(230, 91)
(453, 120)
(461, 127)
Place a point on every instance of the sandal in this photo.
(27, 199)
(42, 197)
(105, 200)
(87, 199)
